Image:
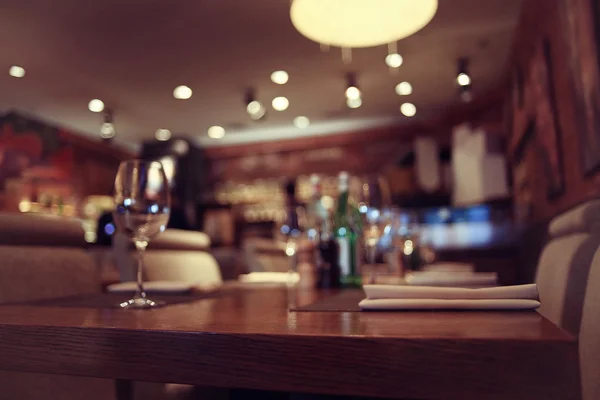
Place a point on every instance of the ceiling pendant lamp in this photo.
(393, 59)
(107, 129)
(360, 23)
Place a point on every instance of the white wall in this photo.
(478, 175)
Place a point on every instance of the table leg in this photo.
(124, 389)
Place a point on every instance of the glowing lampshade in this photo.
(360, 23)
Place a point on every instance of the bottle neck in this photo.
(327, 228)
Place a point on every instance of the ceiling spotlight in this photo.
(393, 60)
(301, 122)
(354, 103)
(256, 110)
(182, 92)
(216, 132)
(96, 105)
(280, 77)
(107, 130)
(16, 71)
(352, 90)
(181, 147)
(353, 93)
(403, 89)
(280, 103)
(463, 79)
(408, 109)
(163, 135)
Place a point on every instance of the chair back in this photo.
(41, 230)
(29, 273)
(196, 267)
(564, 264)
(589, 336)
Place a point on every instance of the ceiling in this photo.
(132, 54)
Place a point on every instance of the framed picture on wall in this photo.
(582, 33)
(544, 109)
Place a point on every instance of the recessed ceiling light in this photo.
(408, 109)
(352, 92)
(163, 135)
(463, 79)
(280, 77)
(182, 92)
(216, 132)
(16, 71)
(354, 103)
(96, 105)
(256, 110)
(394, 60)
(301, 122)
(403, 89)
(280, 103)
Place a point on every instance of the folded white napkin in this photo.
(404, 297)
(448, 293)
(269, 277)
(438, 304)
(451, 278)
(171, 287)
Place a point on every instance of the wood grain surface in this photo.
(249, 339)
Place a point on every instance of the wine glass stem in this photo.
(141, 248)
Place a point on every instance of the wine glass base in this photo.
(141, 303)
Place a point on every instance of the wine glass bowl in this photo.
(142, 208)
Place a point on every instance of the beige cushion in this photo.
(589, 337)
(176, 239)
(562, 276)
(196, 267)
(583, 218)
(30, 273)
(40, 230)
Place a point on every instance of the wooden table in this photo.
(248, 339)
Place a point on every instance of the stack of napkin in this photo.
(405, 297)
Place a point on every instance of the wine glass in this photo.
(374, 205)
(142, 206)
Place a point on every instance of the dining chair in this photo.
(44, 257)
(564, 264)
(589, 335)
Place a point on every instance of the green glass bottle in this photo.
(345, 235)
